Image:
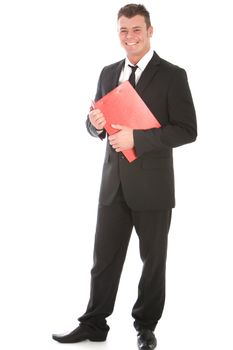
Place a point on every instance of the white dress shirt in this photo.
(126, 71)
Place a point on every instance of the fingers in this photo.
(97, 119)
(115, 143)
(122, 140)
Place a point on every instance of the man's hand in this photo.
(123, 139)
(97, 119)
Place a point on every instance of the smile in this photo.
(130, 44)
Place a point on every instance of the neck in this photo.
(135, 59)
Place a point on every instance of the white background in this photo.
(50, 168)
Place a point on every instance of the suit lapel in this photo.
(111, 78)
(117, 72)
(148, 74)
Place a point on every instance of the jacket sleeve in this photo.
(90, 128)
(181, 127)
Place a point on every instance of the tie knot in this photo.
(134, 68)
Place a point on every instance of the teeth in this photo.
(131, 44)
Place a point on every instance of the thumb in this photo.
(118, 126)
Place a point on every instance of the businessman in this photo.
(140, 194)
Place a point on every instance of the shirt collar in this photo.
(143, 61)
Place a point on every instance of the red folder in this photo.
(124, 106)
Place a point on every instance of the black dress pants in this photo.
(114, 226)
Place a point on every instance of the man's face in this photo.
(134, 36)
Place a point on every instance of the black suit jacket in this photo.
(148, 182)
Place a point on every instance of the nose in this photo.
(129, 34)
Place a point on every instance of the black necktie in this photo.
(132, 75)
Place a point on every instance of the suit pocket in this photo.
(157, 163)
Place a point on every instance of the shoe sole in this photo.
(93, 339)
(99, 339)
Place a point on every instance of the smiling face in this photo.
(134, 37)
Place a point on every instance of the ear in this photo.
(150, 31)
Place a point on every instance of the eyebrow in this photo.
(135, 27)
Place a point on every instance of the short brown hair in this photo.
(132, 10)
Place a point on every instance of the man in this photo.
(138, 194)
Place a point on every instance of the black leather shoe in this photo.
(81, 333)
(146, 340)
